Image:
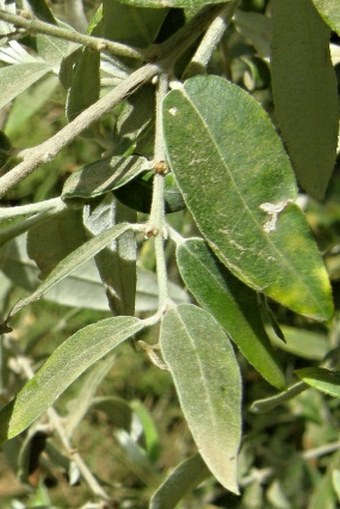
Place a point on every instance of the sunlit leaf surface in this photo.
(66, 363)
(232, 303)
(207, 378)
(238, 183)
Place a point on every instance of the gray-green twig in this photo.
(35, 156)
(35, 25)
(165, 55)
(157, 214)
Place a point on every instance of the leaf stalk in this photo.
(157, 223)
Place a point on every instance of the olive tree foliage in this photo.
(216, 127)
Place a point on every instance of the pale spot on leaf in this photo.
(173, 111)
(273, 210)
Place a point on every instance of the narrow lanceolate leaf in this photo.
(117, 262)
(16, 78)
(99, 177)
(28, 104)
(330, 11)
(232, 303)
(85, 85)
(321, 379)
(84, 253)
(268, 404)
(82, 288)
(237, 181)
(207, 379)
(182, 480)
(305, 91)
(66, 364)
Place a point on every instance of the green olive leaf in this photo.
(68, 362)
(233, 304)
(207, 379)
(238, 183)
(305, 92)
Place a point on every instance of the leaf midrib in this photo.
(290, 267)
(206, 392)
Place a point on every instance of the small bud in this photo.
(161, 167)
